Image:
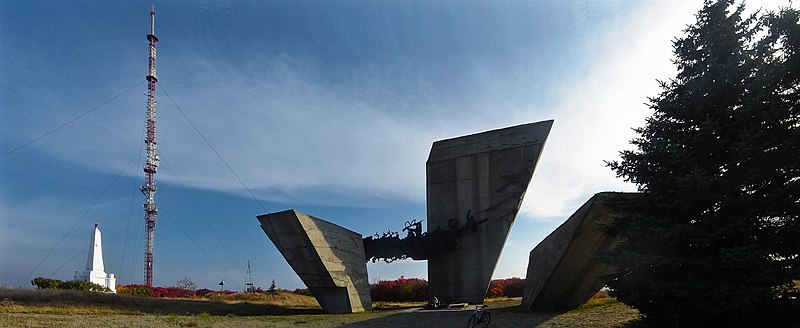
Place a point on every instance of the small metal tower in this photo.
(248, 284)
(150, 167)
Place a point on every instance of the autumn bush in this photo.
(202, 292)
(509, 287)
(173, 292)
(169, 292)
(400, 290)
(414, 289)
(149, 291)
(46, 283)
(135, 290)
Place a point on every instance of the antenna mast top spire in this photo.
(153, 19)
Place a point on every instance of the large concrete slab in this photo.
(485, 174)
(328, 258)
(563, 271)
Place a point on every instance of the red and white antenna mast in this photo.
(150, 167)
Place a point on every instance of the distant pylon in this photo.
(248, 284)
(151, 166)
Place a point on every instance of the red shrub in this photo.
(514, 287)
(148, 291)
(510, 287)
(401, 290)
(495, 289)
(173, 292)
(202, 292)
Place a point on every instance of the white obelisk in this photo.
(95, 271)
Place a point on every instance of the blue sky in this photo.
(328, 107)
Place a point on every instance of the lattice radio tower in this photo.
(249, 287)
(150, 167)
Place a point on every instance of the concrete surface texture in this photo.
(328, 258)
(484, 174)
(563, 271)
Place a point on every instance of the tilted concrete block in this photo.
(563, 271)
(328, 258)
(484, 174)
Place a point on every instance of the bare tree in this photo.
(186, 283)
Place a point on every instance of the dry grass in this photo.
(502, 300)
(281, 298)
(599, 299)
(78, 302)
(60, 309)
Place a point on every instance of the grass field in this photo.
(53, 308)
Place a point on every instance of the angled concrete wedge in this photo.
(328, 258)
(563, 271)
(484, 175)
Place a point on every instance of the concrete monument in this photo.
(475, 185)
(563, 272)
(95, 270)
(477, 181)
(328, 258)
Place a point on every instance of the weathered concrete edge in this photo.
(538, 133)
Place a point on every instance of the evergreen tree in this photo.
(715, 236)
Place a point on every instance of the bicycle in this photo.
(479, 317)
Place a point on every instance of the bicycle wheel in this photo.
(486, 318)
(473, 321)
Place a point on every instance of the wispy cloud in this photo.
(595, 116)
(295, 135)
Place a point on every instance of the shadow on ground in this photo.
(194, 307)
(514, 316)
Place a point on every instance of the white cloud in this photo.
(594, 118)
(288, 132)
